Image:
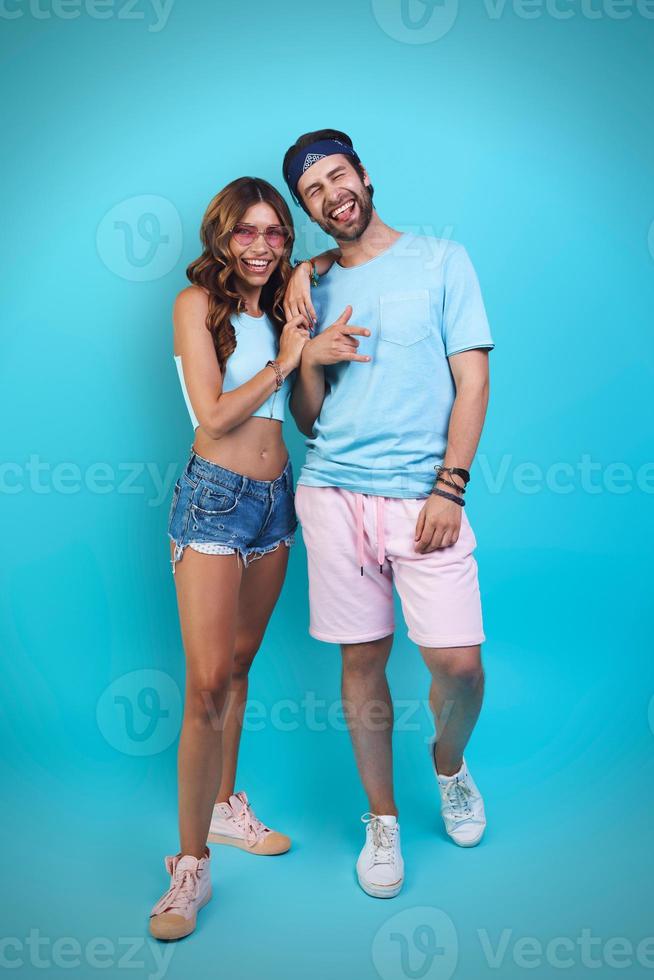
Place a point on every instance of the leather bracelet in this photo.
(454, 471)
(279, 376)
(449, 496)
(450, 483)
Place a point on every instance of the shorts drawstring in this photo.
(381, 547)
(381, 544)
(359, 506)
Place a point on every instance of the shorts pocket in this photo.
(214, 499)
(405, 317)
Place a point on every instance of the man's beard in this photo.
(364, 204)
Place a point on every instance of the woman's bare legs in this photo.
(207, 597)
(260, 587)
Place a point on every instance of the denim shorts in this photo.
(217, 511)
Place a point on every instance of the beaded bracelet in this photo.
(312, 265)
(449, 496)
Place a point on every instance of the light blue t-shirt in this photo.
(383, 424)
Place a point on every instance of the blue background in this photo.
(523, 134)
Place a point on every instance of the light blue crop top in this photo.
(256, 343)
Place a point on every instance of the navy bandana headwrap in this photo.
(309, 155)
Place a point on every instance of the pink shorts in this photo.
(345, 531)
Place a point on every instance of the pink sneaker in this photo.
(174, 916)
(234, 823)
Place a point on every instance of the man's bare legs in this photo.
(455, 696)
(369, 713)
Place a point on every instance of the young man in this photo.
(393, 408)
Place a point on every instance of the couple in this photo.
(393, 408)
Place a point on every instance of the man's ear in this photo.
(366, 179)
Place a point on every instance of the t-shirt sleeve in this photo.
(465, 324)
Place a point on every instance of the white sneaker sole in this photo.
(467, 843)
(380, 891)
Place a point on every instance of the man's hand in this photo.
(336, 343)
(439, 523)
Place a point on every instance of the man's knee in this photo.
(460, 665)
(363, 659)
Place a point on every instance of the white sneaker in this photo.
(462, 805)
(175, 914)
(235, 823)
(380, 868)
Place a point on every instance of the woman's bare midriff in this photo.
(255, 448)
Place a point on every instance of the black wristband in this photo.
(450, 483)
(449, 496)
(454, 471)
(459, 471)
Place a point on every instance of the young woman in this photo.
(232, 517)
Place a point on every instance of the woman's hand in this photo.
(293, 338)
(297, 300)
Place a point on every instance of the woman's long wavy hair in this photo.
(214, 269)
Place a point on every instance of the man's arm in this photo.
(308, 392)
(336, 343)
(471, 379)
(439, 521)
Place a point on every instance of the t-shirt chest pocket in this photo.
(405, 317)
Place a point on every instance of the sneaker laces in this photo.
(383, 838)
(458, 794)
(180, 895)
(246, 820)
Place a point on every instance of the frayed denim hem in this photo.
(246, 557)
(255, 553)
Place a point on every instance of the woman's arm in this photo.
(297, 301)
(219, 412)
